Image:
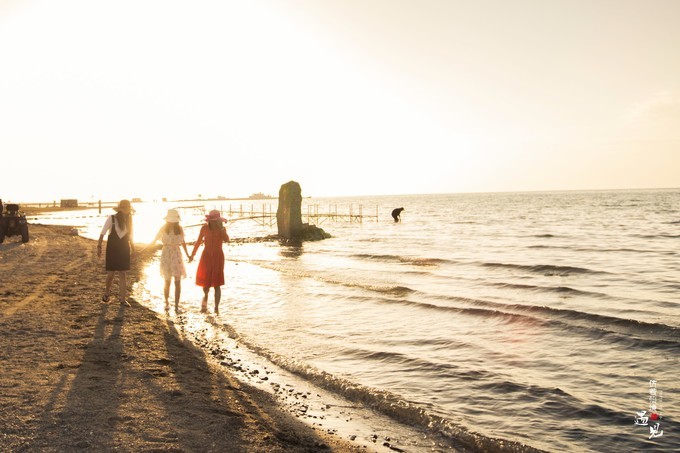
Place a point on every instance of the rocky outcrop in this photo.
(289, 216)
(289, 212)
(313, 233)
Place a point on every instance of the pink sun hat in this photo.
(214, 215)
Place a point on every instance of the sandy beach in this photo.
(80, 374)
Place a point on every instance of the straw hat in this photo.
(172, 216)
(214, 215)
(124, 204)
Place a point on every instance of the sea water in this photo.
(540, 318)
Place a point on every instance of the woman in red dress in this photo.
(210, 272)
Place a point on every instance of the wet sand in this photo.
(80, 374)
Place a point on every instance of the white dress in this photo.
(172, 263)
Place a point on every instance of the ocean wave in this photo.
(570, 407)
(496, 314)
(544, 269)
(391, 405)
(551, 289)
(627, 325)
(615, 250)
(531, 392)
(591, 249)
(651, 334)
(415, 261)
(591, 324)
(657, 236)
(395, 290)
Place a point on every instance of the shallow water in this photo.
(533, 317)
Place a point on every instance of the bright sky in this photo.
(154, 98)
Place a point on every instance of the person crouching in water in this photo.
(210, 272)
(119, 248)
(172, 266)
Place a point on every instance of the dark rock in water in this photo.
(313, 233)
(289, 212)
(289, 217)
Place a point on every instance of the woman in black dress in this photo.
(119, 248)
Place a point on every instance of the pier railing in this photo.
(311, 213)
(264, 215)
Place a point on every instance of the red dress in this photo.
(210, 272)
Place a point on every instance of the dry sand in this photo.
(79, 374)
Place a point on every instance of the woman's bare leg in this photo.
(166, 290)
(109, 281)
(218, 296)
(204, 302)
(166, 293)
(178, 291)
(122, 286)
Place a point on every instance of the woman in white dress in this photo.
(171, 236)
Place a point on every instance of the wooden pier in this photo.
(317, 217)
(265, 215)
(312, 214)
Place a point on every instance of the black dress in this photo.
(117, 250)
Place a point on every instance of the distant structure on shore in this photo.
(68, 203)
(260, 196)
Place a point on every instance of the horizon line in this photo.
(222, 198)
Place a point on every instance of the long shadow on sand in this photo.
(139, 387)
(94, 393)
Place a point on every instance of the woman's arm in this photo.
(198, 243)
(184, 244)
(105, 229)
(158, 236)
(131, 238)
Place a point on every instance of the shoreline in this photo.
(82, 374)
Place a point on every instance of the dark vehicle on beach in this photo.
(13, 223)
